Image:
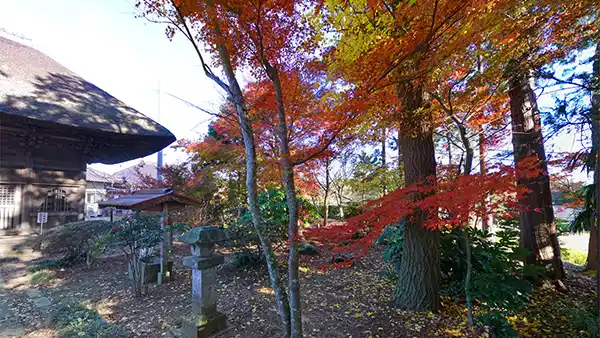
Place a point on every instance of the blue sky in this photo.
(105, 43)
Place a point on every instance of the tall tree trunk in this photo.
(399, 145)
(326, 187)
(339, 191)
(594, 252)
(292, 202)
(593, 243)
(449, 150)
(485, 222)
(383, 162)
(236, 96)
(419, 276)
(592, 258)
(465, 235)
(538, 230)
(383, 149)
(468, 165)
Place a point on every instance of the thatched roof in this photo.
(34, 86)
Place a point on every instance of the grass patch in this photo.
(42, 276)
(7, 259)
(75, 319)
(44, 264)
(574, 256)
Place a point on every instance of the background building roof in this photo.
(93, 175)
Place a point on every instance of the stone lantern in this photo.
(205, 319)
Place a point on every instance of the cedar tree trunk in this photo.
(538, 230)
(418, 283)
(398, 143)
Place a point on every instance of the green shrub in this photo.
(498, 323)
(498, 276)
(574, 256)
(585, 320)
(274, 210)
(393, 238)
(8, 259)
(306, 248)
(247, 259)
(352, 209)
(563, 226)
(498, 282)
(42, 276)
(72, 241)
(388, 273)
(75, 319)
(44, 264)
(131, 236)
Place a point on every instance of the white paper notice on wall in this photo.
(42, 217)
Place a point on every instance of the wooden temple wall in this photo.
(39, 172)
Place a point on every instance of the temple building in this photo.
(53, 123)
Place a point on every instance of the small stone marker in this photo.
(205, 319)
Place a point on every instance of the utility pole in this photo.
(159, 160)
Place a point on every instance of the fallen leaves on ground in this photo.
(353, 301)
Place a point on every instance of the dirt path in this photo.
(22, 306)
(9, 324)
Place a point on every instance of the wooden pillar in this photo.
(163, 275)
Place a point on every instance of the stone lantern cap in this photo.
(203, 240)
(204, 235)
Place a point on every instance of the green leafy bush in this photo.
(388, 273)
(274, 210)
(393, 238)
(8, 259)
(574, 256)
(246, 259)
(307, 248)
(75, 319)
(131, 236)
(497, 274)
(563, 226)
(42, 276)
(72, 241)
(585, 320)
(498, 323)
(44, 264)
(498, 283)
(352, 209)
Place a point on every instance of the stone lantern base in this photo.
(199, 327)
(204, 321)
